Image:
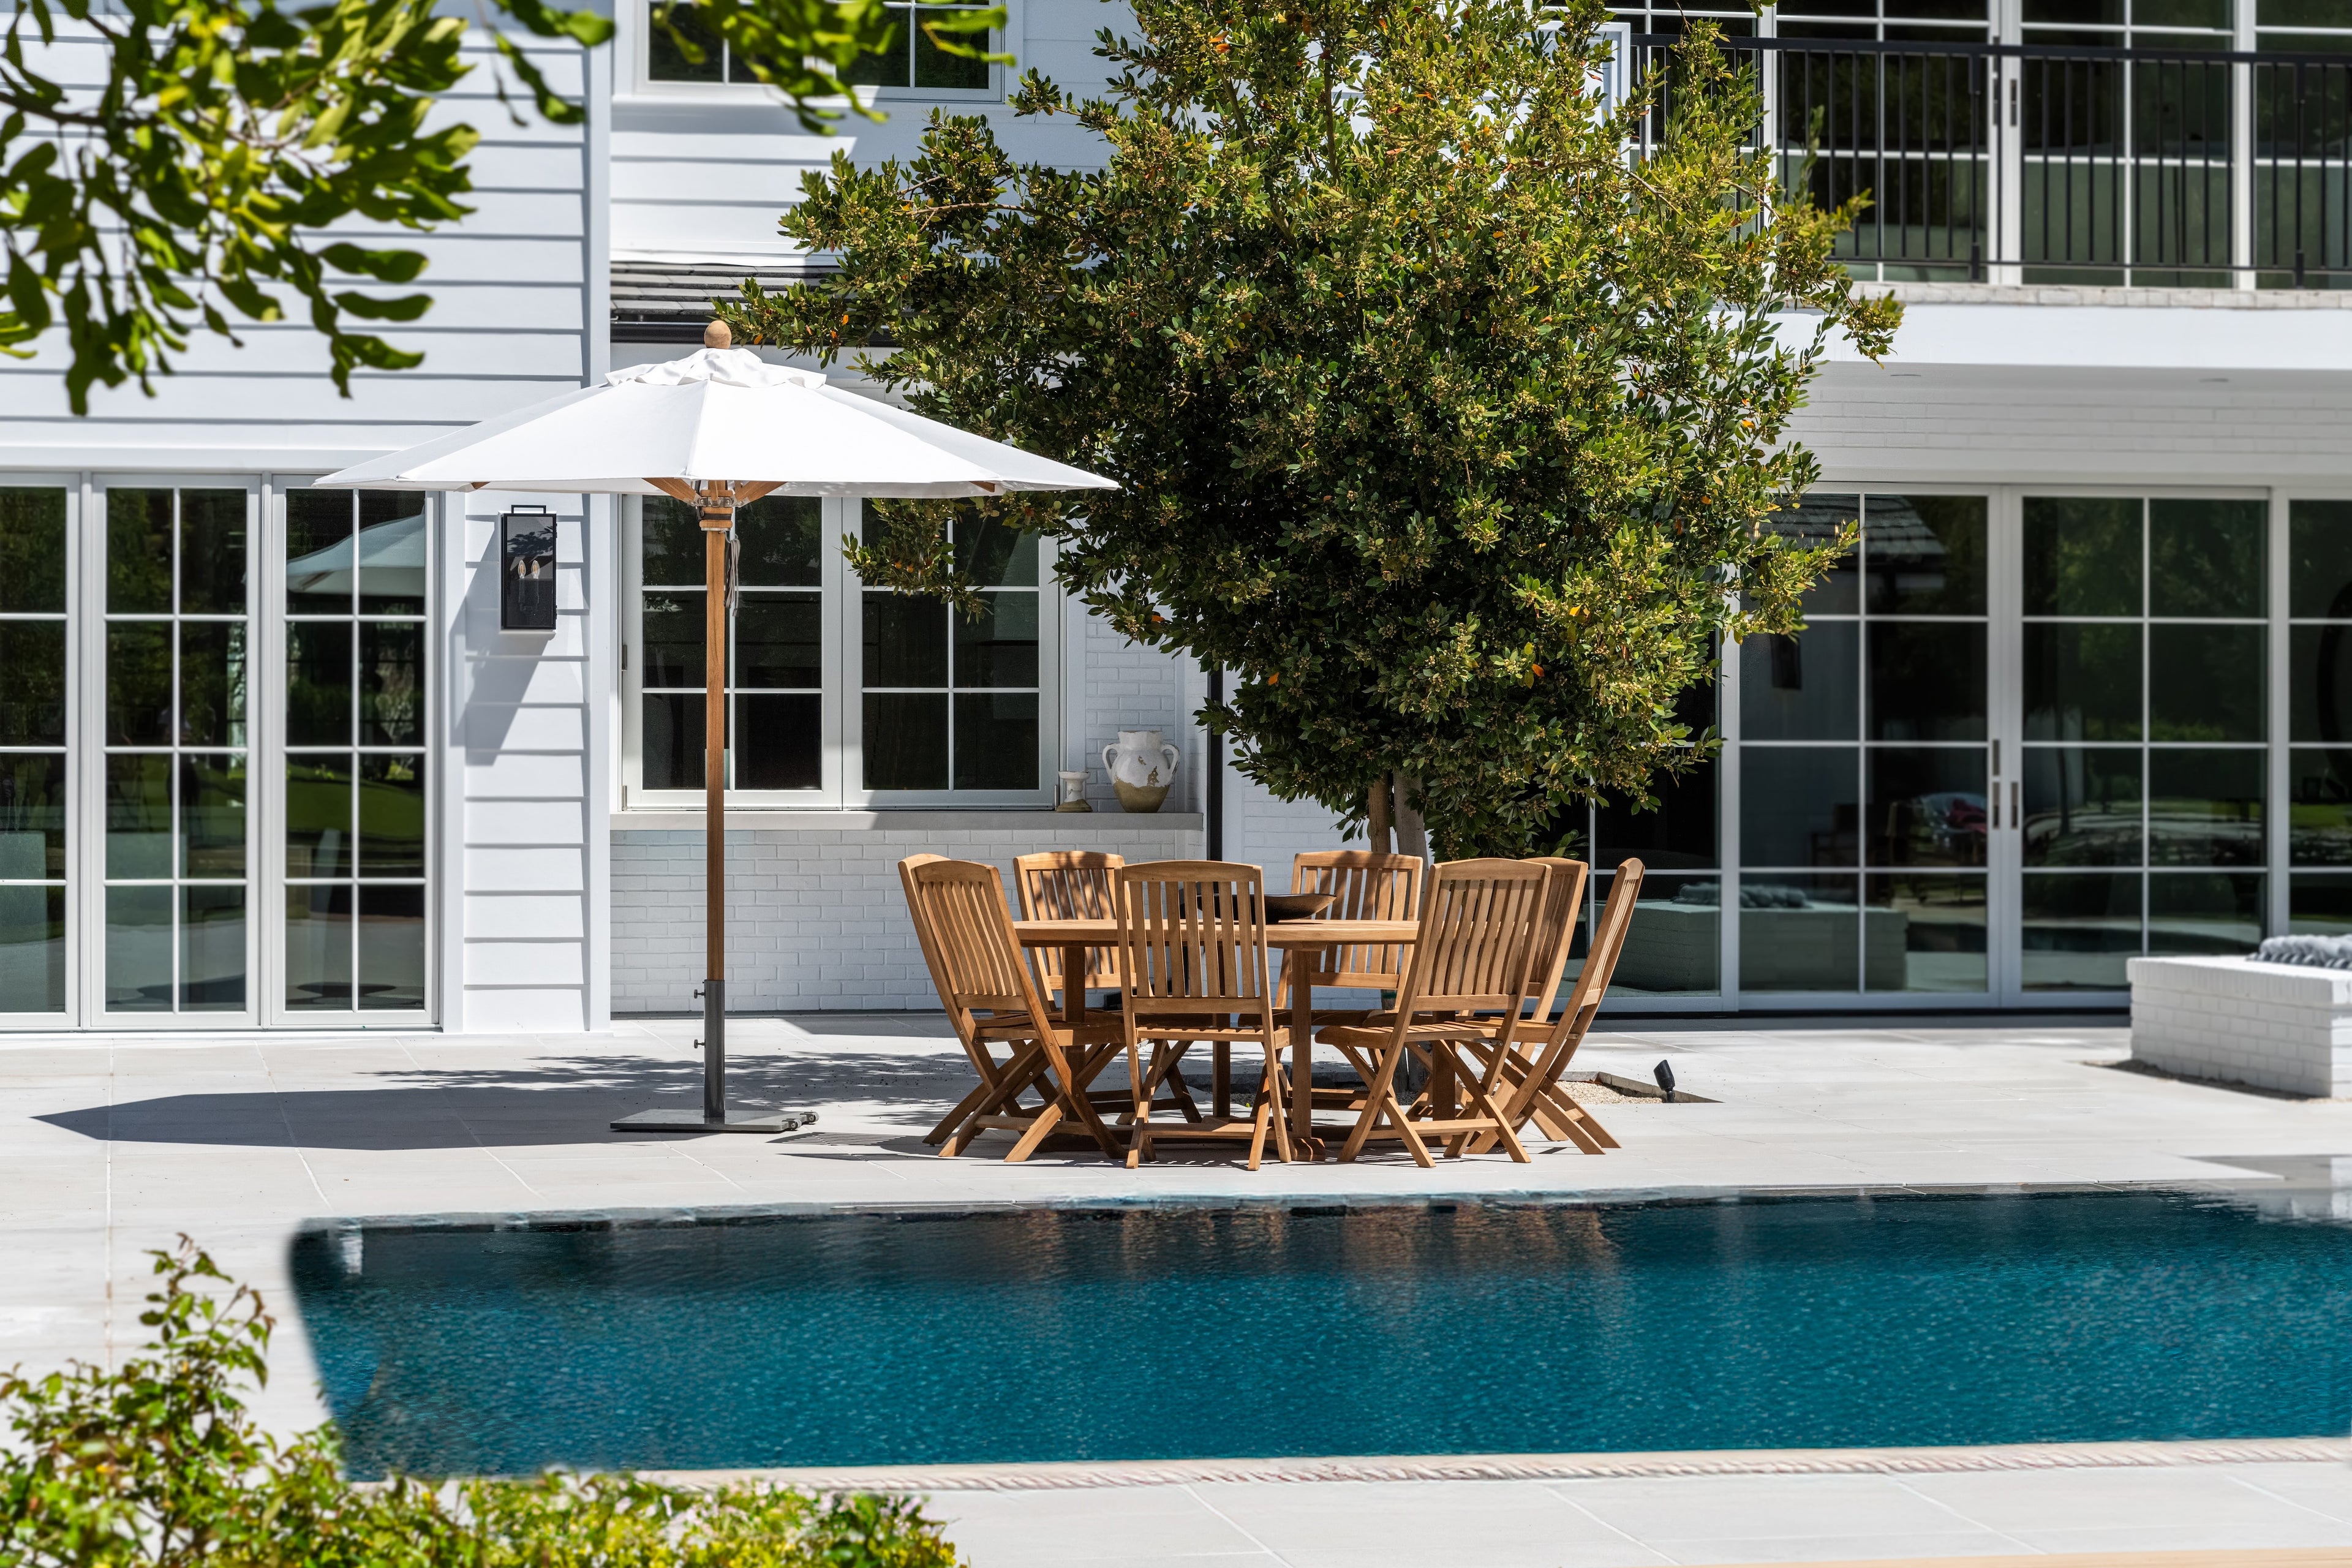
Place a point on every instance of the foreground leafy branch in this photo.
(168, 166)
(159, 1464)
(1450, 426)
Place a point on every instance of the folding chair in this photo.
(983, 1060)
(1474, 950)
(1532, 1085)
(1082, 884)
(1364, 886)
(983, 979)
(1070, 885)
(1192, 937)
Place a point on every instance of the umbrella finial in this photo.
(716, 336)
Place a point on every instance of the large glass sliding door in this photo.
(1862, 759)
(177, 692)
(2024, 737)
(36, 653)
(215, 721)
(2144, 655)
(355, 799)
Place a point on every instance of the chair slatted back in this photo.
(1071, 885)
(980, 963)
(925, 941)
(1364, 886)
(1563, 908)
(1193, 932)
(1477, 934)
(1608, 943)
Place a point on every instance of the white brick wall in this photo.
(815, 917)
(2232, 1020)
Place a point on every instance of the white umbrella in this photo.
(717, 429)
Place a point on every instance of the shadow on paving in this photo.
(562, 1101)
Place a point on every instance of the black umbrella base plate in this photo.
(684, 1120)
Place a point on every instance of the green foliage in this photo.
(1448, 425)
(160, 1464)
(190, 186)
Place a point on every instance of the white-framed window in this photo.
(839, 694)
(215, 707)
(914, 68)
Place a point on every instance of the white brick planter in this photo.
(2274, 1025)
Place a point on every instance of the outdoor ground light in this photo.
(1666, 1077)
(527, 569)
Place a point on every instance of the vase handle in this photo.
(1110, 759)
(1168, 755)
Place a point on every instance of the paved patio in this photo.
(112, 1145)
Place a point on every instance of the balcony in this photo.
(2050, 164)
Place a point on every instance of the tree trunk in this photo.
(1412, 832)
(1376, 812)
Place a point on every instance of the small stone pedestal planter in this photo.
(2286, 1026)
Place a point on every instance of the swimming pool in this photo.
(1175, 1332)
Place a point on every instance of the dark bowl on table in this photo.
(1296, 906)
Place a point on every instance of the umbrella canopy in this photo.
(716, 429)
(722, 416)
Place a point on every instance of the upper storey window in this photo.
(912, 64)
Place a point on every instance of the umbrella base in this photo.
(684, 1120)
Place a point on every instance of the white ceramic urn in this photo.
(1141, 767)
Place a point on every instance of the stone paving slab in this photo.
(111, 1145)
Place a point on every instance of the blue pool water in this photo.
(1161, 1333)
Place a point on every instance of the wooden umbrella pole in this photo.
(717, 505)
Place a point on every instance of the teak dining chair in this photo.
(1532, 1084)
(1070, 885)
(983, 1060)
(1554, 937)
(1192, 937)
(1082, 884)
(1473, 956)
(1364, 885)
(982, 976)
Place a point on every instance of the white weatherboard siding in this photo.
(2045, 385)
(705, 172)
(519, 314)
(532, 790)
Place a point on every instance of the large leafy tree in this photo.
(183, 183)
(1443, 420)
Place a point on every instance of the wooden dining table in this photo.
(1291, 937)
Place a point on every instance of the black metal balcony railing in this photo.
(2044, 162)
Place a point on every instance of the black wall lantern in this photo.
(527, 569)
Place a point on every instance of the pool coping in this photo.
(1302, 1203)
(1079, 1475)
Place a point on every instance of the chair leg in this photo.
(1045, 1122)
(1485, 1101)
(954, 1119)
(1178, 1089)
(1270, 1094)
(1221, 1077)
(1018, 1075)
(1138, 1083)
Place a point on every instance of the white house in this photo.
(267, 759)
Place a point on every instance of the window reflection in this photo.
(1799, 933)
